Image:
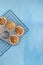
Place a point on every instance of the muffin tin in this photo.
(5, 34)
(8, 30)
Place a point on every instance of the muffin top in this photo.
(3, 20)
(10, 25)
(0, 30)
(14, 39)
(19, 30)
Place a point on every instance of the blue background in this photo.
(30, 49)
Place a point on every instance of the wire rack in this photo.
(4, 46)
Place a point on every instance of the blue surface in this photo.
(30, 49)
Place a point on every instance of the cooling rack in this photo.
(4, 46)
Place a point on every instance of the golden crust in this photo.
(10, 25)
(14, 39)
(3, 20)
(0, 30)
(19, 30)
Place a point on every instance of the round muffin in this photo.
(0, 29)
(10, 25)
(19, 30)
(14, 40)
(3, 20)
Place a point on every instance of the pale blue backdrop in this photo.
(30, 49)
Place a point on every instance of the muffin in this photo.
(3, 20)
(19, 30)
(14, 40)
(0, 29)
(10, 25)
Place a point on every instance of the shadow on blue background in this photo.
(30, 49)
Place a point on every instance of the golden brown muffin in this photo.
(19, 30)
(10, 25)
(3, 21)
(14, 39)
(0, 30)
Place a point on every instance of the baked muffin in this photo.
(3, 20)
(0, 29)
(19, 30)
(10, 25)
(14, 40)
